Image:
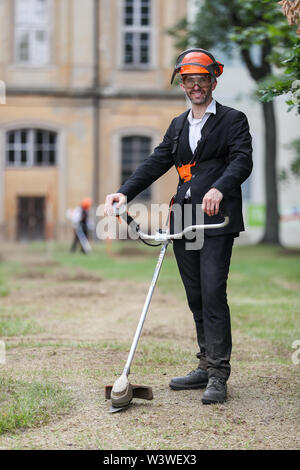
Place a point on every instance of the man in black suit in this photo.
(210, 145)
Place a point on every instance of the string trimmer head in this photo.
(122, 392)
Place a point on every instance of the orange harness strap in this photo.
(185, 171)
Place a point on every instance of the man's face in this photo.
(198, 87)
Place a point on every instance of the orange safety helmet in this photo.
(86, 203)
(194, 61)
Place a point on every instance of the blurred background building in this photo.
(89, 97)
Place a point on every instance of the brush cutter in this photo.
(122, 391)
(83, 239)
(74, 217)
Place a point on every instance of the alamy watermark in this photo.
(296, 354)
(2, 92)
(151, 219)
(2, 353)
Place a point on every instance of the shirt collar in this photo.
(211, 109)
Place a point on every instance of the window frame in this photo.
(32, 28)
(137, 29)
(133, 166)
(31, 147)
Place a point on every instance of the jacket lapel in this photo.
(210, 124)
(185, 153)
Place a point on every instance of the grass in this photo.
(24, 405)
(4, 289)
(13, 322)
(263, 285)
(16, 321)
(264, 293)
(17, 327)
(159, 353)
(264, 296)
(98, 345)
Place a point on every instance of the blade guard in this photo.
(139, 391)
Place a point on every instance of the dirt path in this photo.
(84, 325)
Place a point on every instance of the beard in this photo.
(202, 96)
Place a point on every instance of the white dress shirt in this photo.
(195, 129)
(196, 125)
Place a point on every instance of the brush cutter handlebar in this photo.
(161, 236)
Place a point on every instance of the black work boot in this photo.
(215, 392)
(197, 378)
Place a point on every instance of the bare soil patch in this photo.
(295, 286)
(80, 276)
(129, 251)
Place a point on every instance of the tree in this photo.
(286, 83)
(242, 24)
(290, 81)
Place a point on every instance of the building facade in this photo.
(88, 96)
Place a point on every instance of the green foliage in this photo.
(220, 23)
(294, 168)
(289, 83)
(274, 86)
(241, 25)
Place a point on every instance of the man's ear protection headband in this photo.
(208, 62)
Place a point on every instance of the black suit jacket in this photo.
(225, 136)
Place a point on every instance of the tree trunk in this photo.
(271, 234)
(272, 214)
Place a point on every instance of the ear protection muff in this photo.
(214, 68)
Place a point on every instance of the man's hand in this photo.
(211, 202)
(110, 199)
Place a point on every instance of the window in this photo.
(31, 147)
(137, 33)
(134, 150)
(32, 32)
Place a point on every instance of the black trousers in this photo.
(204, 274)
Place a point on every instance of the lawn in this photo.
(263, 285)
(67, 321)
